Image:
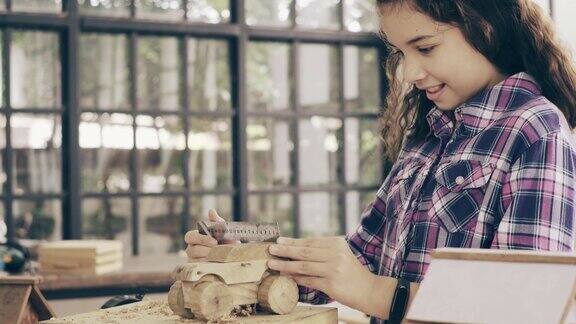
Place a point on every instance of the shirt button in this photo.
(460, 180)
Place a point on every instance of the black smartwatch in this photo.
(399, 302)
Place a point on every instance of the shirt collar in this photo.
(486, 106)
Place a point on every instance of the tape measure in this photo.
(240, 231)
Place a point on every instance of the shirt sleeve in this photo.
(365, 243)
(538, 198)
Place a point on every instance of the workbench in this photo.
(141, 274)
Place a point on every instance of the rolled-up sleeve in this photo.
(538, 198)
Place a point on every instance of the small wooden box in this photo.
(496, 286)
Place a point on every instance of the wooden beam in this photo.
(240, 252)
(230, 273)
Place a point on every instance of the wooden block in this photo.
(21, 302)
(240, 252)
(154, 311)
(488, 286)
(242, 294)
(13, 301)
(72, 262)
(278, 294)
(79, 248)
(95, 270)
(230, 273)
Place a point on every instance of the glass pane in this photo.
(319, 214)
(36, 141)
(161, 142)
(209, 11)
(270, 149)
(2, 8)
(1, 65)
(160, 225)
(38, 219)
(268, 76)
(544, 4)
(3, 226)
(112, 8)
(363, 156)
(319, 77)
(105, 144)
(273, 208)
(199, 206)
(360, 15)
(108, 219)
(160, 9)
(104, 75)
(37, 5)
(564, 13)
(268, 13)
(3, 176)
(324, 14)
(356, 203)
(361, 79)
(320, 147)
(209, 75)
(158, 74)
(210, 161)
(35, 70)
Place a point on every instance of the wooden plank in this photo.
(80, 248)
(19, 280)
(77, 261)
(13, 302)
(230, 273)
(157, 311)
(40, 304)
(505, 255)
(95, 270)
(239, 252)
(472, 291)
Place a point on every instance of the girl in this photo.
(479, 118)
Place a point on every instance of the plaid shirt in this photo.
(504, 179)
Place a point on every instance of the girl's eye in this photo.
(426, 50)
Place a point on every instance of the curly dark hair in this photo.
(514, 35)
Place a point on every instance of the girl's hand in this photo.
(328, 265)
(199, 245)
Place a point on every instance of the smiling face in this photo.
(437, 58)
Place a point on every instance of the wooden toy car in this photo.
(234, 275)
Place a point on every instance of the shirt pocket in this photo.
(401, 186)
(459, 194)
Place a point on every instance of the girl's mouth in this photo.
(434, 93)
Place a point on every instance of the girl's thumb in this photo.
(214, 217)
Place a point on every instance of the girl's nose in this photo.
(413, 71)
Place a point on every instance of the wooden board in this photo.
(79, 248)
(239, 252)
(13, 302)
(484, 286)
(231, 273)
(157, 311)
(94, 270)
(77, 261)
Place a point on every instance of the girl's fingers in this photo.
(301, 253)
(315, 269)
(214, 217)
(195, 238)
(197, 251)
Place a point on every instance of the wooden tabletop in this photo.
(142, 274)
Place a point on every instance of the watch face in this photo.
(400, 301)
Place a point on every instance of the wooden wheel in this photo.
(278, 294)
(176, 300)
(210, 300)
